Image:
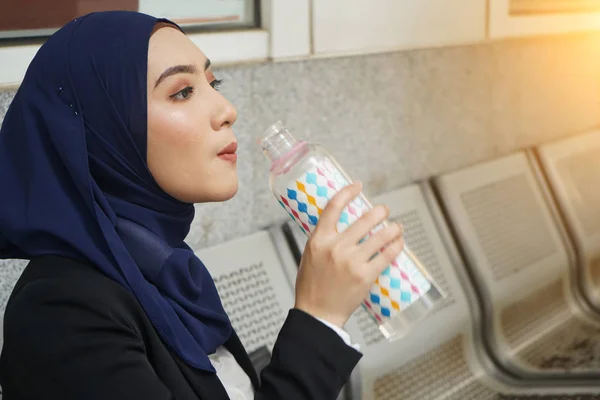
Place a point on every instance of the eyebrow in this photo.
(180, 69)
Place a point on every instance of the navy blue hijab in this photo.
(74, 179)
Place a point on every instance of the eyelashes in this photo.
(183, 94)
(216, 84)
(187, 92)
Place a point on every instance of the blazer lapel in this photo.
(206, 385)
(235, 347)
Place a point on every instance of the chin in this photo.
(220, 188)
(224, 190)
(226, 194)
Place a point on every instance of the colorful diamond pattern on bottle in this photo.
(399, 285)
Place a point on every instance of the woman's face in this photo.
(191, 146)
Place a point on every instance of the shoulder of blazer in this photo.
(55, 278)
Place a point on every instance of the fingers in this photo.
(387, 256)
(375, 255)
(365, 224)
(332, 212)
(379, 241)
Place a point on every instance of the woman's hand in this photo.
(336, 271)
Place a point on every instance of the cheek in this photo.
(177, 142)
(174, 127)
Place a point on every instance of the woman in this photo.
(115, 132)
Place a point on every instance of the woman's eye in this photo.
(183, 94)
(216, 84)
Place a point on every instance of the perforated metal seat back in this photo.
(253, 287)
(505, 227)
(573, 170)
(515, 250)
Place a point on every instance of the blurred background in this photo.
(476, 120)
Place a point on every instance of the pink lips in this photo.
(228, 153)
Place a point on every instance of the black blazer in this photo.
(72, 333)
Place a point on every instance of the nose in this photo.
(225, 116)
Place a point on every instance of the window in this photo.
(228, 31)
(541, 17)
(537, 7)
(35, 18)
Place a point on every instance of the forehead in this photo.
(168, 47)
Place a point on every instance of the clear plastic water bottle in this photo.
(304, 177)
